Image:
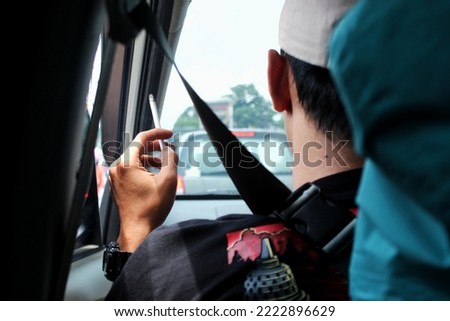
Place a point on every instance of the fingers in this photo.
(143, 142)
(151, 161)
(153, 134)
(145, 138)
(156, 146)
(169, 161)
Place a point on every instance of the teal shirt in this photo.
(391, 63)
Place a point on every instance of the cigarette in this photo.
(155, 115)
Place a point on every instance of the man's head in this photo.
(299, 81)
(304, 30)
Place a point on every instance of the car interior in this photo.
(93, 68)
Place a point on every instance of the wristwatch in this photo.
(114, 260)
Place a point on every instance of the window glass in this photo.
(101, 168)
(88, 233)
(224, 58)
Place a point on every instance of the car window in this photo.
(224, 59)
(89, 231)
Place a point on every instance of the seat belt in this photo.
(328, 226)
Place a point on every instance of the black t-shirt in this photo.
(222, 259)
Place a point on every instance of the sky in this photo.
(222, 44)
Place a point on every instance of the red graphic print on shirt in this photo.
(247, 242)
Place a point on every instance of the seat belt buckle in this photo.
(297, 200)
(328, 226)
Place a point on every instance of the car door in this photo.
(49, 121)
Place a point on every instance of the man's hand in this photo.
(144, 199)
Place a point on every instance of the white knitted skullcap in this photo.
(306, 26)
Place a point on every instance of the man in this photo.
(224, 259)
(391, 64)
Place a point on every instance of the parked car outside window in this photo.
(201, 172)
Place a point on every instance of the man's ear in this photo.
(278, 80)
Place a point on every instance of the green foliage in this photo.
(250, 110)
(187, 121)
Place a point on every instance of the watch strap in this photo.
(114, 260)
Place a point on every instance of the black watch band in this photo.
(114, 260)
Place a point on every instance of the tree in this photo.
(187, 121)
(250, 110)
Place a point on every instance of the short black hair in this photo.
(319, 96)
